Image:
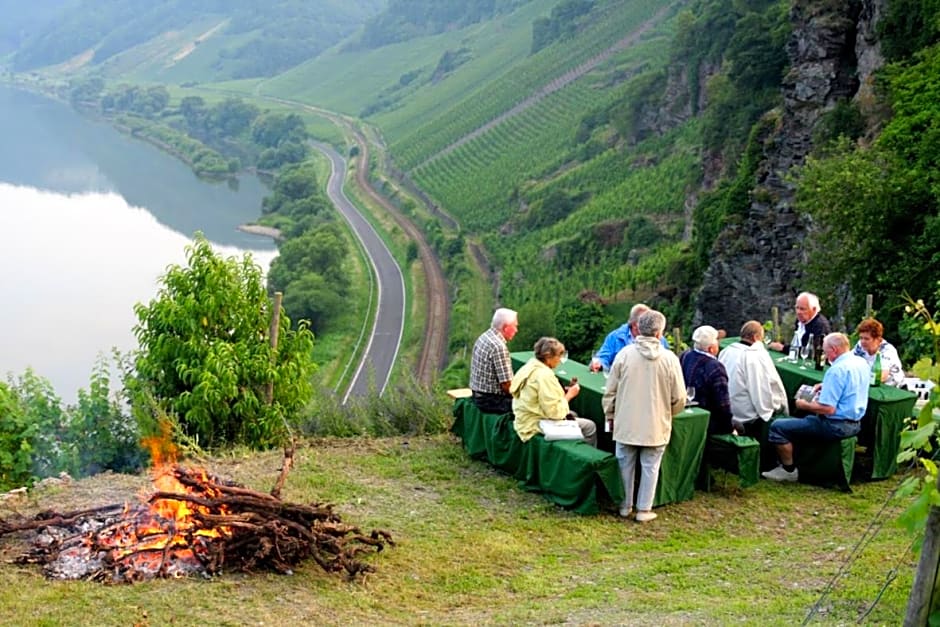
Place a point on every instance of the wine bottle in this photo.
(876, 370)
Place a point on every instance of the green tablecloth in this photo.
(572, 474)
(683, 457)
(888, 408)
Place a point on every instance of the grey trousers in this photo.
(650, 458)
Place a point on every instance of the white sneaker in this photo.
(625, 511)
(780, 474)
(643, 517)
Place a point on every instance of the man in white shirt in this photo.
(754, 385)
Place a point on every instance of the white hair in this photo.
(502, 317)
(811, 299)
(651, 323)
(636, 311)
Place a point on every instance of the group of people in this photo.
(647, 383)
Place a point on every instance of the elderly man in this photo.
(644, 392)
(809, 321)
(490, 366)
(836, 409)
(702, 371)
(755, 387)
(618, 338)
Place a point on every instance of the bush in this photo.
(205, 357)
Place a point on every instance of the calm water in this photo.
(89, 220)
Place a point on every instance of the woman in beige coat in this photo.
(644, 391)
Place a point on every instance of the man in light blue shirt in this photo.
(618, 338)
(836, 409)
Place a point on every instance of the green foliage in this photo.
(857, 201)
(908, 26)
(205, 358)
(579, 324)
(17, 433)
(843, 120)
(39, 438)
(536, 319)
(407, 409)
(406, 19)
(562, 22)
(247, 38)
(922, 439)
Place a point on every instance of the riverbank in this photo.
(258, 229)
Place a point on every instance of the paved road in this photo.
(383, 341)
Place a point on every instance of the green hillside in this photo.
(600, 151)
(401, 74)
(247, 38)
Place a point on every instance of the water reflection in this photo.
(75, 266)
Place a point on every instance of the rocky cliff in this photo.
(757, 263)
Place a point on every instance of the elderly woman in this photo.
(537, 394)
(871, 342)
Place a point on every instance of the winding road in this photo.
(383, 342)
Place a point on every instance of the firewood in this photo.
(230, 527)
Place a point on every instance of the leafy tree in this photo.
(232, 116)
(270, 129)
(205, 358)
(16, 435)
(580, 325)
(536, 319)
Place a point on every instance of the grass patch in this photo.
(474, 548)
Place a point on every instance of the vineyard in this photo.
(420, 138)
(476, 180)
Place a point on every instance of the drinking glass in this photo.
(805, 352)
(768, 337)
(564, 358)
(689, 395)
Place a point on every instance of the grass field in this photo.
(474, 549)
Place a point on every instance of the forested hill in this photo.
(712, 157)
(209, 39)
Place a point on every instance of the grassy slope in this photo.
(325, 81)
(474, 549)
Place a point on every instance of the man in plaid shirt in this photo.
(490, 367)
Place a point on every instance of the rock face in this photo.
(756, 264)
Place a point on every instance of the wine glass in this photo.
(564, 358)
(805, 351)
(768, 337)
(689, 395)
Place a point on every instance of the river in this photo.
(89, 221)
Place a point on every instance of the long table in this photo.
(683, 457)
(571, 473)
(888, 409)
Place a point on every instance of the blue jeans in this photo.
(812, 427)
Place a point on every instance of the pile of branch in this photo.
(262, 532)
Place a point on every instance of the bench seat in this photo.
(570, 473)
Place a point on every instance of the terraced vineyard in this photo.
(533, 76)
(475, 180)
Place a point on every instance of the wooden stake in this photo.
(775, 320)
(924, 591)
(868, 306)
(273, 333)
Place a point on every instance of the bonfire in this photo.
(194, 523)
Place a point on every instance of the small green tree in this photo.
(204, 354)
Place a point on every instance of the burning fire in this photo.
(160, 537)
(195, 524)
